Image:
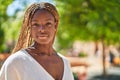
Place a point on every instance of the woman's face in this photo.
(43, 27)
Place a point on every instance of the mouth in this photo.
(43, 36)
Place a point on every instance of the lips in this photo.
(42, 36)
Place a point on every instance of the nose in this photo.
(41, 28)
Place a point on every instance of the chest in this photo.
(54, 66)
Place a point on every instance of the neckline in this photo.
(44, 68)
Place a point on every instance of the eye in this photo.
(35, 25)
(48, 24)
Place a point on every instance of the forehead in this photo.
(42, 13)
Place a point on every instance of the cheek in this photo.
(53, 33)
(32, 34)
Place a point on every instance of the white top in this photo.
(22, 66)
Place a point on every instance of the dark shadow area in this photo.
(108, 77)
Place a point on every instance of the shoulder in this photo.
(64, 58)
(15, 58)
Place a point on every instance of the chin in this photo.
(44, 42)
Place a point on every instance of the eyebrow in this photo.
(45, 20)
(34, 20)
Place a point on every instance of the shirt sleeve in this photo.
(8, 72)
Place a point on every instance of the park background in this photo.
(88, 29)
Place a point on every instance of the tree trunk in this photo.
(103, 60)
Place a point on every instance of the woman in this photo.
(35, 58)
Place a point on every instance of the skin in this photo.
(43, 30)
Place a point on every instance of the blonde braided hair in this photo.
(25, 39)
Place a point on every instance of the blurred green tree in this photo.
(10, 25)
(3, 17)
(96, 20)
(89, 20)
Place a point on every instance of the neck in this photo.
(43, 49)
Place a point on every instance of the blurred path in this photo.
(95, 70)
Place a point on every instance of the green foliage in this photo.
(3, 17)
(82, 54)
(75, 76)
(88, 20)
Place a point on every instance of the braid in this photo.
(25, 38)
